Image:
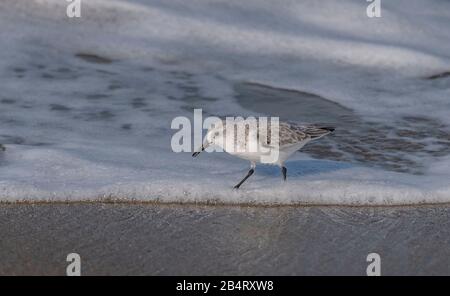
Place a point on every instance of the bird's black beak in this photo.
(195, 154)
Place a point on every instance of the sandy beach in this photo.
(149, 239)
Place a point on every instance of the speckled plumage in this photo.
(249, 137)
(289, 133)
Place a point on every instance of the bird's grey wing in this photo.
(288, 135)
(317, 131)
(291, 134)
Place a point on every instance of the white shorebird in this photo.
(292, 137)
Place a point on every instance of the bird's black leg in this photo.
(250, 172)
(284, 171)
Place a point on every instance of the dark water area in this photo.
(145, 239)
(401, 145)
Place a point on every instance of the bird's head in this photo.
(214, 137)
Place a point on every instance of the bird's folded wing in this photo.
(288, 135)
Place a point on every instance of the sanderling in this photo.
(291, 138)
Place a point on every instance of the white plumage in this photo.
(258, 142)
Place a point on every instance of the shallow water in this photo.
(404, 145)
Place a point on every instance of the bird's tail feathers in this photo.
(317, 132)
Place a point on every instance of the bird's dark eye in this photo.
(216, 134)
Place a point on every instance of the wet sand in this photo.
(150, 239)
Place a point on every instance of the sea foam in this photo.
(86, 104)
